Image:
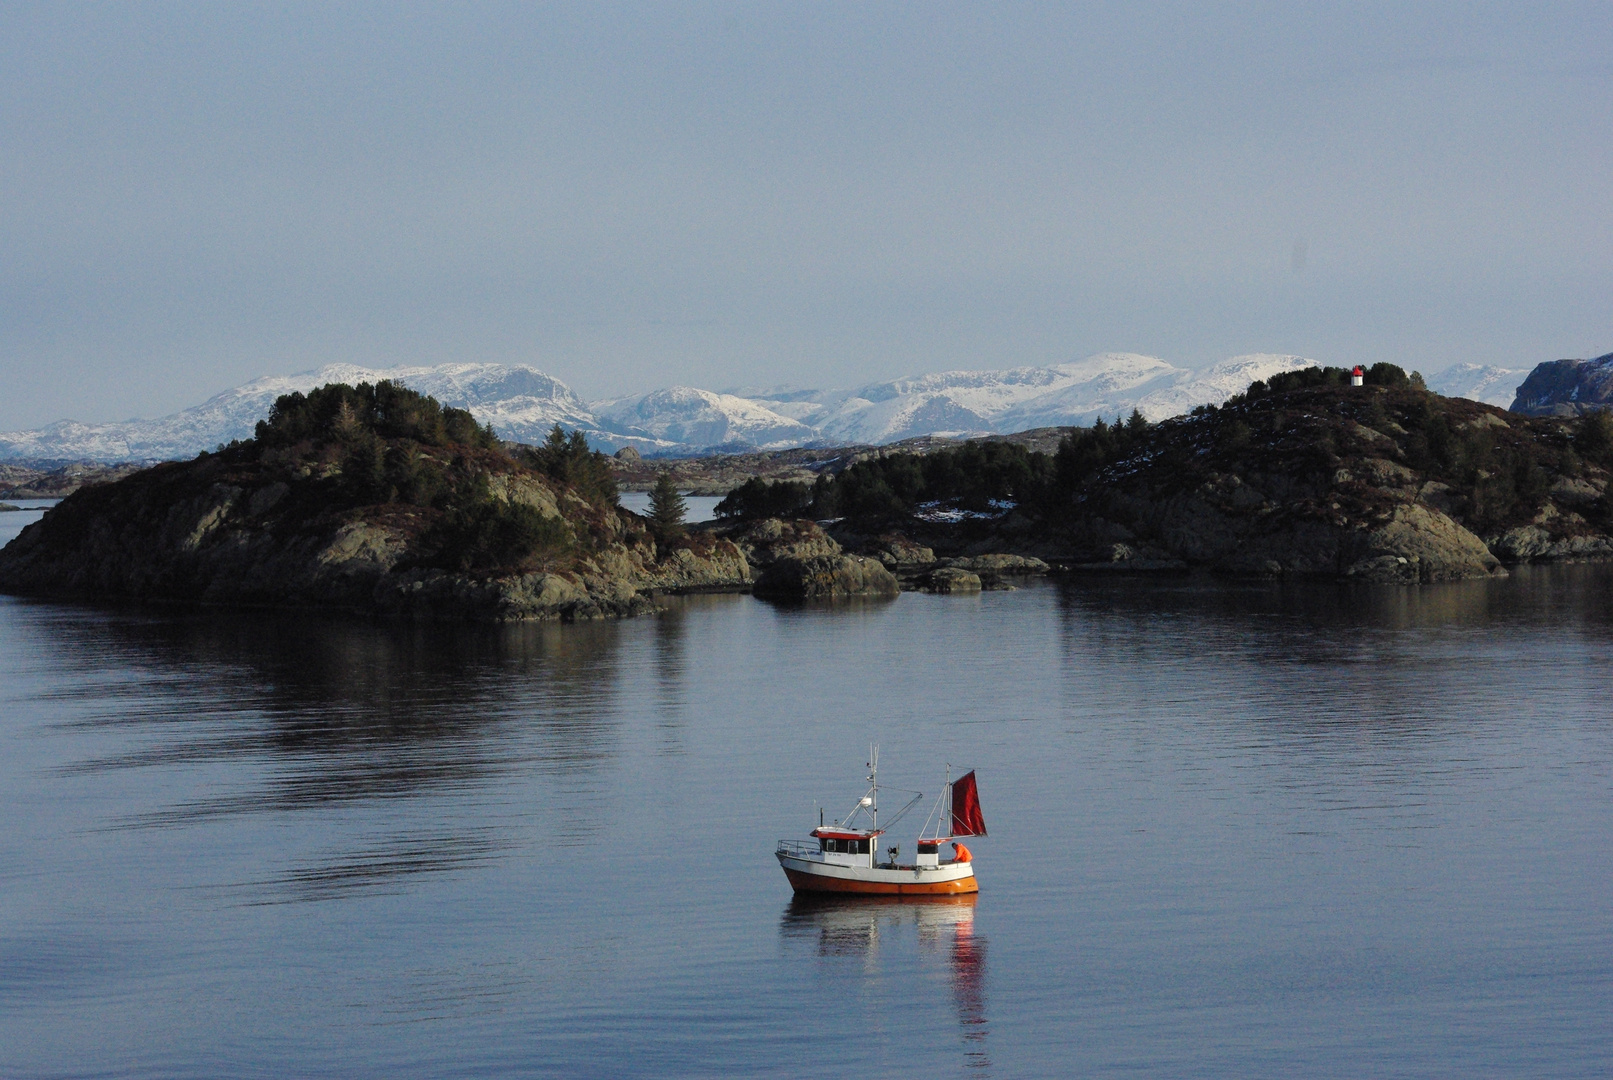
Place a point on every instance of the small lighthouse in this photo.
(1358, 376)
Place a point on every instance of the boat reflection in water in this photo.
(856, 929)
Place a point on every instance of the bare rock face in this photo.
(1364, 522)
(1531, 543)
(822, 577)
(1566, 388)
(999, 564)
(771, 540)
(528, 491)
(1415, 543)
(722, 566)
(951, 579)
(1574, 491)
(901, 555)
(1420, 544)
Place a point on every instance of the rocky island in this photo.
(370, 498)
(377, 499)
(1304, 475)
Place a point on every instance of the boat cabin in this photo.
(848, 847)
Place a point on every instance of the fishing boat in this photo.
(844, 857)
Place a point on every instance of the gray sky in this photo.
(820, 194)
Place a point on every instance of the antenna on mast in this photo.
(873, 782)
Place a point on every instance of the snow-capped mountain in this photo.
(982, 402)
(975, 402)
(1479, 382)
(520, 402)
(523, 404)
(1188, 390)
(701, 418)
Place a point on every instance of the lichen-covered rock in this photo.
(1532, 543)
(723, 566)
(997, 563)
(899, 554)
(1575, 491)
(528, 491)
(826, 577)
(951, 579)
(1381, 472)
(1427, 545)
(770, 540)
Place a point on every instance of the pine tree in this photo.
(666, 507)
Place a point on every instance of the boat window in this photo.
(844, 847)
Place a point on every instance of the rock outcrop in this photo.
(901, 555)
(1234, 524)
(770, 540)
(998, 564)
(1566, 388)
(826, 577)
(951, 579)
(797, 560)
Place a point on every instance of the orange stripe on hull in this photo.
(813, 883)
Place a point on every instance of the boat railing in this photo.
(799, 847)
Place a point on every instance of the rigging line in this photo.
(856, 808)
(925, 827)
(917, 795)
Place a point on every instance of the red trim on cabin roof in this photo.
(845, 834)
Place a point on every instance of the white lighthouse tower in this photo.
(1358, 376)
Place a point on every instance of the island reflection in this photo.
(317, 714)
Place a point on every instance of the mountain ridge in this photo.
(523, 403)
(1567, 388)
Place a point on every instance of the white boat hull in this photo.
(807, 874)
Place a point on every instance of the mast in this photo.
(873, 782)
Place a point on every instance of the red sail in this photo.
(966, 817)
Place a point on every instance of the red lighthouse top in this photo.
(1359, 371)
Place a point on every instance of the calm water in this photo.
(1236, 831)
(697, 508)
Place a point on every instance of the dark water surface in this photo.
(1236, 831)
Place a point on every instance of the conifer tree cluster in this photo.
(568, 459)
